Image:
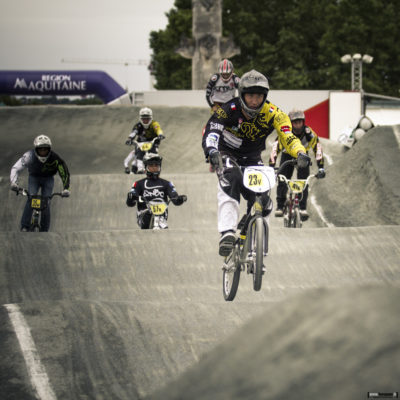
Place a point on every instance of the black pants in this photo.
(302, 173)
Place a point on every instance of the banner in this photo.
(61, 83)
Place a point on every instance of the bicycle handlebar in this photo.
(25, 192)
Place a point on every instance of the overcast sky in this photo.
(38, 34)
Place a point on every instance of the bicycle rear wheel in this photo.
(258, 253)
(231, 275)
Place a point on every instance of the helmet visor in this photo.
(43, 151)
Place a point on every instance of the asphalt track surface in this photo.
(119, 313)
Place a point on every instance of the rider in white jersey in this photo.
(222, 86)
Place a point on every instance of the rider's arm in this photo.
(157, 129)
(134, 132)
(64, 173)
(315, 144)
(19, 166)
(133, 195)
(211, 134)
(210, 87)
(274, 153)
(173, 195)
(289, 141)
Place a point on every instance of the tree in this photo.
(297, 44)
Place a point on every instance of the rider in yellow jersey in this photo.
(310, 141)
(143, 131)
(238, 130)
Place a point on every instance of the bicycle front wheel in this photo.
(297, 223)
(231, 275)
(258, 253)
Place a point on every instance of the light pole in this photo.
(356, 61)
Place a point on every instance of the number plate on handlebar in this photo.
(36, 203)
(146, 146)
(158, 209)
(296, 186)
(259, 179)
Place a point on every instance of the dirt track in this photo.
(117, 313)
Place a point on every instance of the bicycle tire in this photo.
(297, 223)
(231, 276)
(258, 253)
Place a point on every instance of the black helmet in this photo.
(152, 159)
(253, 82)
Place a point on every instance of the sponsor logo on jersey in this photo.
(285, 129)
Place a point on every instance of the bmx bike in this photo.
(38, 204)
(251, 245)
(291, 208)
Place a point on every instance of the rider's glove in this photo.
(14, 187)
(303, 160)
(129, 141)
(321, 173)
(179, 200)
(131, 199)
(214, 157)
(65, 193)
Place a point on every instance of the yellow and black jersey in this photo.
(143, 134)
(309, 140)
(228, 130)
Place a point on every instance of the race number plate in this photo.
(35, 203)
(296, 186)
(146, 146)
(158, 209)
(259, 179)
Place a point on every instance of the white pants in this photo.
(129, 158)
(228, 211)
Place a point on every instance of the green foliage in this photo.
(297, 44)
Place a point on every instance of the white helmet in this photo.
(146, 114)
(40, 142)
(225, 68)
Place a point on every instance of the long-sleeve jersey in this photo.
(144, 135)
(155, 189)
(309, 140)
(53, 164)
(229, 130)
(218, 91)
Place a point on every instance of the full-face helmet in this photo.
(253, 82)
(42, 144)
(297, 115)
(152, 163)
(225, 69)
(146, 116)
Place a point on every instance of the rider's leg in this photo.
(139, 160)
(228, 200)
(33, 188)
(128, 159)
(228, 209)
(47, 185)
(281, 191)
(143, 219)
